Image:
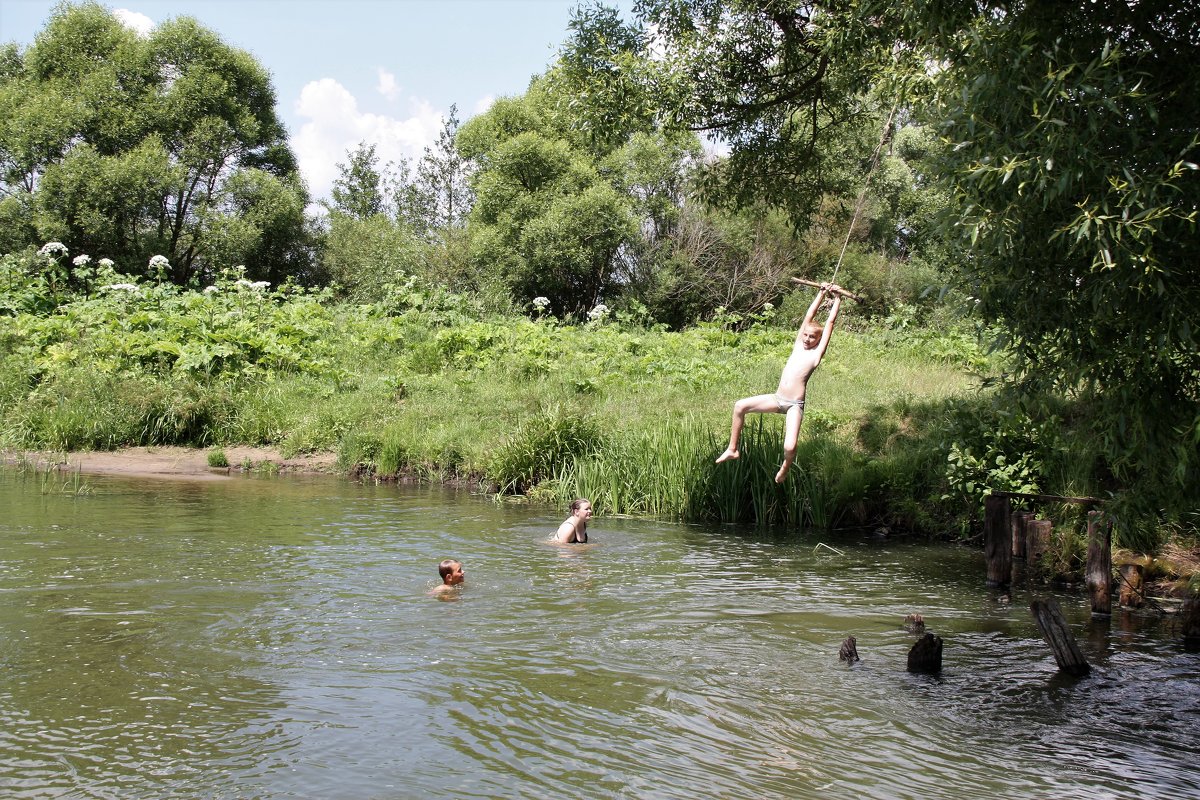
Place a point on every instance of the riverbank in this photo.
(183, 463)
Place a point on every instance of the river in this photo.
(275, 638)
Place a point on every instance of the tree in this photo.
(786, 86)
(544, 219)
(439, 197)
(1070, 173)
(358, 190)
(1074, 141)
(128, 147)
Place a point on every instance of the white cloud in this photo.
(140, 23)
(484, 103)
(335, 125)
(387, 85)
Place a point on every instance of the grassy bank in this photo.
(446, 387)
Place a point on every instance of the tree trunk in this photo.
(1056, 633)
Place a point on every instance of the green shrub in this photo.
(541, 446)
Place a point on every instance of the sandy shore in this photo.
(174, 462)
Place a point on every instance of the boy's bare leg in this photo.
(761, 404)
(791, 436)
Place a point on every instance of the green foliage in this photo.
(358, 190)
(1076, 192)
(217, 458)
(541, 446)
(131, 147)
(362, 257)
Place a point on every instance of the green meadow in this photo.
(445, 387)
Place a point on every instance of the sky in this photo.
(349, 71)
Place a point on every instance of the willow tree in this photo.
(125, 147)
(1071, 135)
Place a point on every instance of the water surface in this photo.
(273, 638)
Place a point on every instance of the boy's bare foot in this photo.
(782, 474)
(727, 455)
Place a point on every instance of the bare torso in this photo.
(796, 372)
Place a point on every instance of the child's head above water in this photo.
(451, 572)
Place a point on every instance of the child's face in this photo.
(810, 338)
(455, 575)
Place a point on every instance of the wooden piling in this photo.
(1131, 585)
(1038, 532)
(1189, 618)
(1099, 562)
(1020, 565)
(997, 540)
(1054, 630)
(926, 655)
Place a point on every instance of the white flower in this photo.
(211, 290)
(53, 249)
(260, 285)
(105, 263)
(159, 262)
(768, 306)
(82, 260)
(243, 282)
(541, 303)
(598, 312)
(122, 287)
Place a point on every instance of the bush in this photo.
(541, 447)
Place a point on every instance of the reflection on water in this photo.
(276, 638)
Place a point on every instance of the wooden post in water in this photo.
(1099, 562)
(997, 540)
(1037, 540)
(926, 655)
(1131, 585)
(1018, 549)
(1190, 622)
(1054, 630)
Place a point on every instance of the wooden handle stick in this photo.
(816, 285)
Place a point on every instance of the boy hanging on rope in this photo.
(811, 342)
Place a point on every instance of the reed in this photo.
(669, 471)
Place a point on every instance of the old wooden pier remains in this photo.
(1014, 543)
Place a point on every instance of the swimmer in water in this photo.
(452, 577)
(573, 530)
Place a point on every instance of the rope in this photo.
(887, 129)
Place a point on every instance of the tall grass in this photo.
(669, 471)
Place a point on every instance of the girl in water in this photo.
(573, 530)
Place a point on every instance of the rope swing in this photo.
(884, 137)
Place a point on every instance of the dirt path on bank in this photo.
(175, 462)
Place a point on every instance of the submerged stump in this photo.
(1054, 630)
(925, 657)
(849, 650)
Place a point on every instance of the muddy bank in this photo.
(186, 463)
